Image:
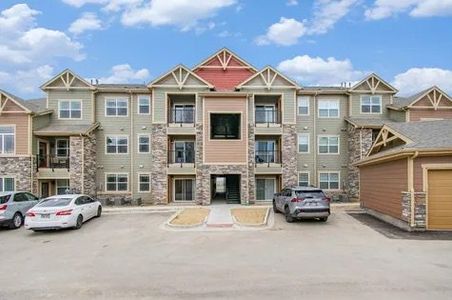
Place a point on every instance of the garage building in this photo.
(406, 177)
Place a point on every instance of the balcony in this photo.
(52, 167)
(267, 120)
(268, 162)
(181, 113)
(181, 162)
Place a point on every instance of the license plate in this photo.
(312, 203)
(45, 216)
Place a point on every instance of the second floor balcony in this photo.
(181, 158)
(182, 115)
(266, 116)
(52, 162)
(268, 157)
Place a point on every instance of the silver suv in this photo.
(14, 206)
(302, 202)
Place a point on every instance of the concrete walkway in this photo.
(220, 216)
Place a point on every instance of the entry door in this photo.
(43, 155)
(440, 199)
(45, 190)
(265, 189)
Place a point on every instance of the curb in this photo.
(264, 223)
(175, 226)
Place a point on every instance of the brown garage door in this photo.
(440, 199)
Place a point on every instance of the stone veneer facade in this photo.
(289, 156)
(359, 143)
(420, 211)
(159, 150)
(19, 168)
(251, 165)
(82, 164)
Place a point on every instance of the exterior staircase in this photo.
(233, 190)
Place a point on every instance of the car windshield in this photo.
(55, 202)
(310, 194)
(4, 199)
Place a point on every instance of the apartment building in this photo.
(220, 131)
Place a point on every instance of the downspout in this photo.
(83, 163)
(314, 131)
(411, 186)
(132, 145)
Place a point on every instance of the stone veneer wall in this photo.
(251, 165)
(90, 165)
(359, 143)
(159, 178)
(75, 164)
(289, 156)
(420, 212)
(202, 195)
(20, 168)
(82, 164)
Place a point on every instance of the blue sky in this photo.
(320, 42)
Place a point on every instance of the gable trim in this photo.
(176, 72)
(64, 77)
(10, 98)
(221, 56)
(435, 101)
(383, 138)
(268, 79)
(373, 81)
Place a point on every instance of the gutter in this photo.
(411, 187)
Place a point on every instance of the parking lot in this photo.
(125, 256)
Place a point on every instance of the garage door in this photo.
(440, 199)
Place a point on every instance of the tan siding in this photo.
(381, 186)
(225, 151)
(397, 116)
(418, 162)
(356, 106)
(20, 121)
(84, 95)
(11, 106)
(417, 114)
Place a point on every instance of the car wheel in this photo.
(289, 218)
(79, 223)
(99, 211)
(324, 219)
(275, 209)
(17, 221)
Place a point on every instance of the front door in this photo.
(45, 191)
(43, 155)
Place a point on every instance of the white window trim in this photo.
(116, 192)
(298, 105)
(309, 143)
(15, 140)
(139, 183)
(56, 147)
(338, 109)
(274, 184)
(309, 177)
(138, 143)
(117, 136)
(70, 100)
(138, 104)
(174, 190)
(8, 177)
(116, 99)
(371, 113)
(328, 136)
(338, 179)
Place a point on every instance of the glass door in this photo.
(265, 189)
(265, 151)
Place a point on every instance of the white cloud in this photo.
(87, 22)
(416, 79)
(125, 74)
(108, 5)
(382, 9)
(286, 32)
(292, 2)
(318, 71)
(28, 51)
(326, 14)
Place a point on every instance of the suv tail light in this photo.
(3, 207)
(64, 212)
(297, 200)
(328, 199)
(30, 214)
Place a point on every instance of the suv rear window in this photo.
(4, 199)
(310, 194)
(55, 202)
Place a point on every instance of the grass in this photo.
(249, 216)
(190, 216)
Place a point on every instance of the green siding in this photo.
(356, 106)
(84, 95)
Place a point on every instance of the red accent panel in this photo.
(224, 80)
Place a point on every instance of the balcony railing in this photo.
(52, 162)
(268, 157)
(181, 157)
(267, 116)
(181, 116)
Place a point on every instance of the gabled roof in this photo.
(66, 130)
(368, 122)
(373, 81)
(268, 76)
(404, 102)
(180, 74)
(224, 55)
(67, 78)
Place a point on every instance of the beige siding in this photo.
(356, 106)
(20, 122)
(225, 151)
(382, 185)
(84, 95)
(397, 116)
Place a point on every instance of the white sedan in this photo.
(62, 211)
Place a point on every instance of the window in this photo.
(303, 143)
(7, 184)
(144, 182)
(370, 104)
(183, 113)
(144, 105)
(266, 152)
(117, 144)
(7, 139)
(266, 114)
(116, 107)
(184, 190)
(328, 145)
(20, 197)
(328, 108)
(70, 109)
(63, 186)
(265, 189)
(184, 152)
(303, 106)
(303, 179)
(143, 143)
(329, 180)
(62, 148)
(117, 182)
(225, 126)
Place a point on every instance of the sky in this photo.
(317, 42)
